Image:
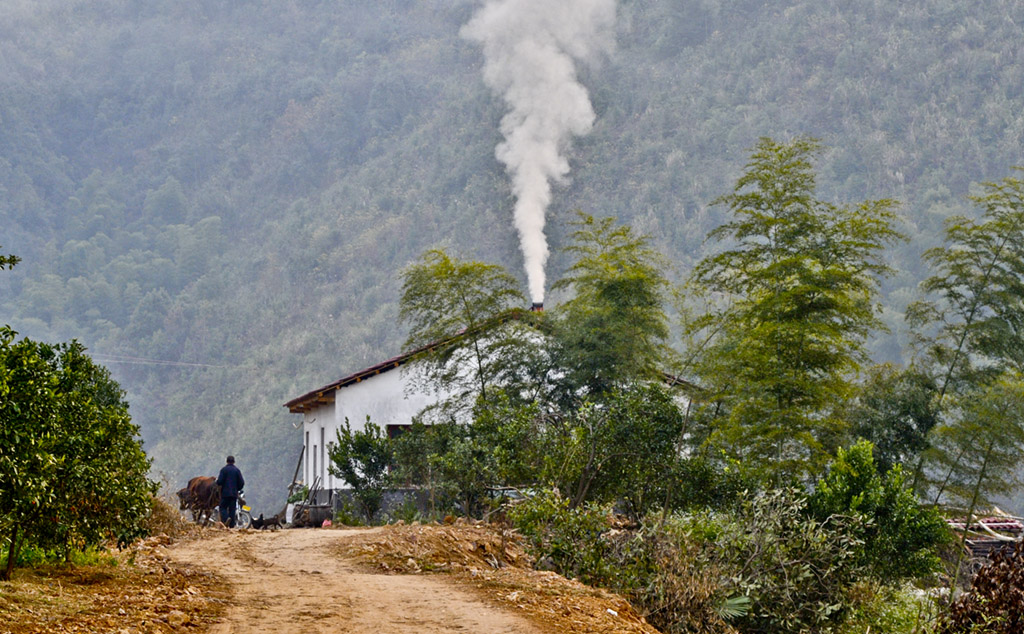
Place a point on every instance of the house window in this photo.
(394, 431)
(305, 467)
(323, 461)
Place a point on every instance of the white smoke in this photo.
(530, 50)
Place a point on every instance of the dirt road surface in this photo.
(295, 581)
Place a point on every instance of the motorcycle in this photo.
(243, 513)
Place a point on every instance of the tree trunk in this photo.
(975, 494)
(12, 555)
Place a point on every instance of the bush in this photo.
(901, 539)
(876, 607)
(697, 482)
(166, 519)
(794, 569)
(568, 540)
(995, 602)
(299, 496)
(72, 470)
(361, 458)
(346, 515)
(661, 570)
(768, 567)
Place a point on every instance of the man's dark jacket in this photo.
(230, 481)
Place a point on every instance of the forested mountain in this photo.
(217, 197)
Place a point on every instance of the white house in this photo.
(383, 392)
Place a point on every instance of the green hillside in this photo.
(217, 197)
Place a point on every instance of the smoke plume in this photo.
(530, 50)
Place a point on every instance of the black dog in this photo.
(272, 523)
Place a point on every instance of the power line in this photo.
(117, 358)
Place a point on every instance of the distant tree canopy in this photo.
(336, 142)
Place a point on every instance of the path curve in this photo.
(296, 581)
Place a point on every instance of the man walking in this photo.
(231, 483)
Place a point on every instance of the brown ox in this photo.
(201, 496)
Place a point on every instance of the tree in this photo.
(362, 459)
(617, 448)
(979, 449)
(168, 204)
(72, 469)
(28, 417)
(460, 325)
(100, 484)
(895, 409)
(452, 460)
(8, 261)
(800, 281)
(899, 537)
(613, 331)
(975, 329)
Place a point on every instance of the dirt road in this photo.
(295, 581)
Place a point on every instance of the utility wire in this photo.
(116, 358)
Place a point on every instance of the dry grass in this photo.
(166, 520)
(137, 591)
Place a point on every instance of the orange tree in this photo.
(72, 470)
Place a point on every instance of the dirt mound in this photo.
(416, 548)
(493, 561)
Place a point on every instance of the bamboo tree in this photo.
(453, 308)
(977, 320)
(980, 286)
(613, 331)
(985, 442)
(8, 261)
(800, 280)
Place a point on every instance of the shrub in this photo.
(72, 470)
(361, 458)
(661, 570)
(877, 607)
(901, 538)
(299, 496)
(795, 569)
(995, 602)
(697, 482)
(768, 567)
(564, 538)
(166, 519)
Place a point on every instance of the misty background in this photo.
(217, 197)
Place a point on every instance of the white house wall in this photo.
(382, 397)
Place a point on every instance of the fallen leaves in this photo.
(145, 593)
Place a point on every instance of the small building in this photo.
(384, 392)
(387, 394)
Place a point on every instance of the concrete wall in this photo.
(387, 398)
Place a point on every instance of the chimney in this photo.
(537, 307)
